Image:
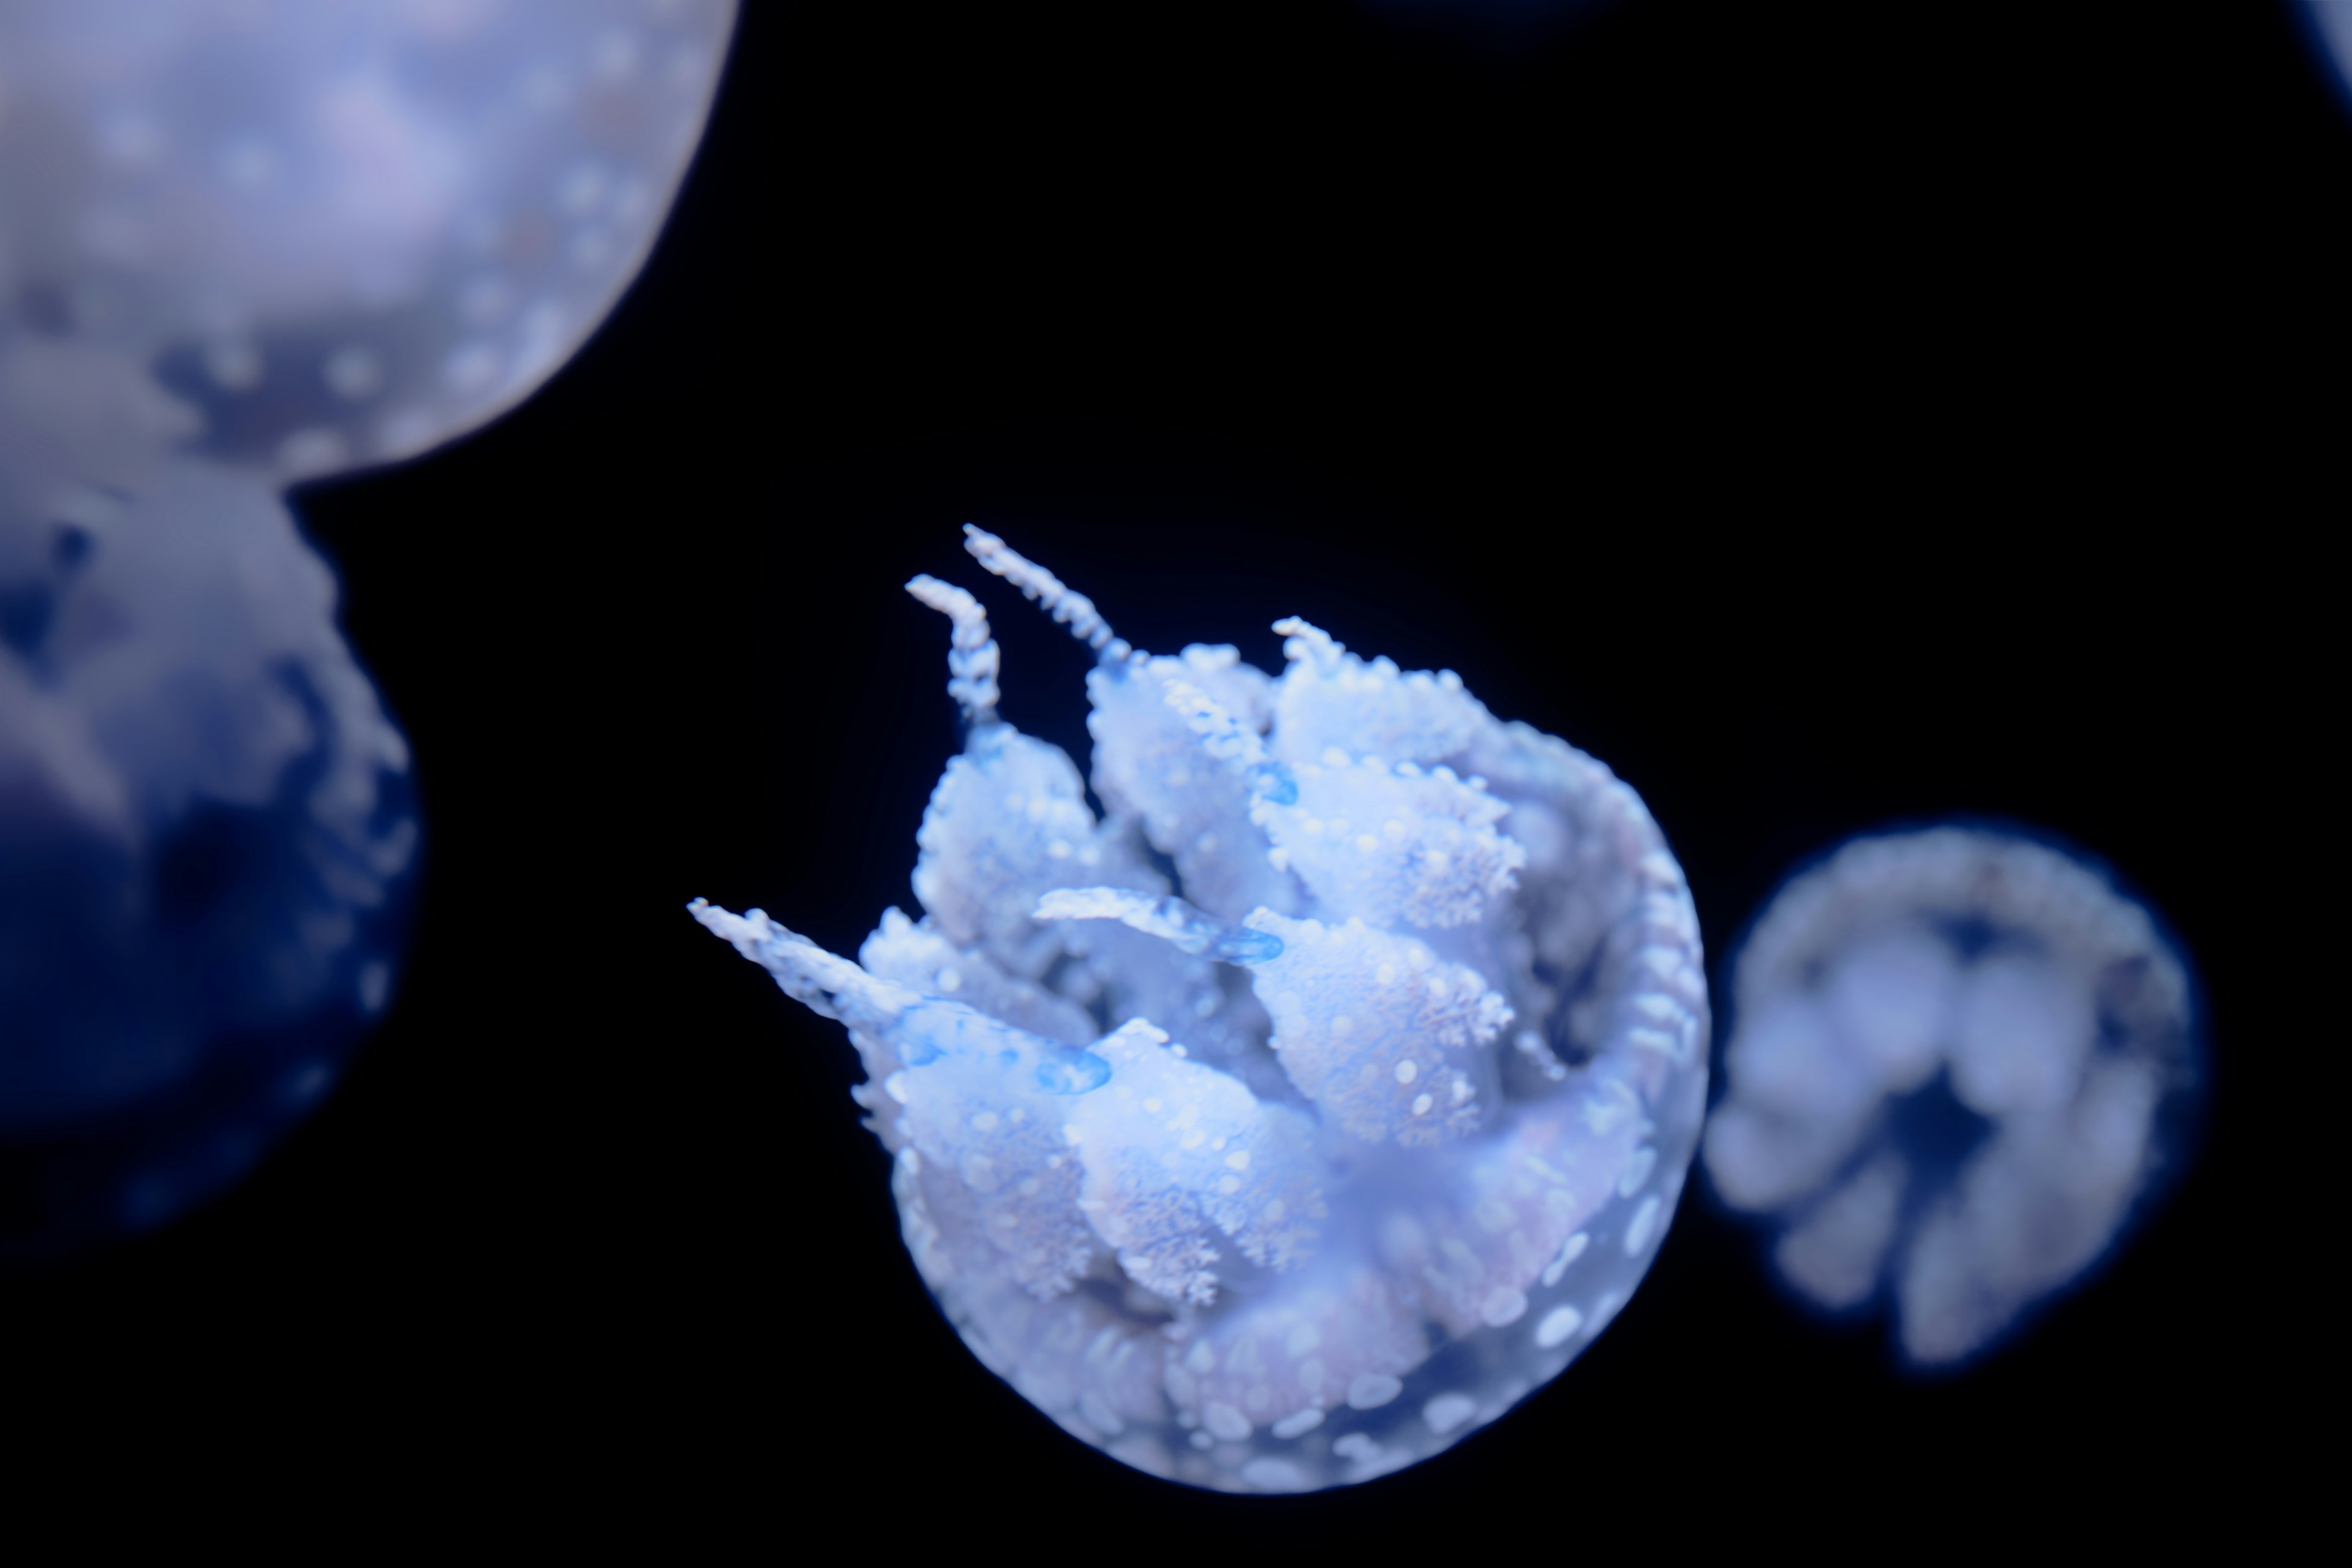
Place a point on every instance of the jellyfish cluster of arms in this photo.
(1960, 1062)
(1311, 1105)
(243, 245)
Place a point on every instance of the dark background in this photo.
(1826, 413)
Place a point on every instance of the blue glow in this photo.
(1078, 1073)
(1386, 1102)
(1960, 1062)
(206, 850)
(2328, 23)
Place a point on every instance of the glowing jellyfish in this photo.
(1311, 1109)
(339, 231)
(206, 847)
(243, 243)
(1959, 1061)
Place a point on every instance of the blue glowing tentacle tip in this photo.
(1246, 946)
(1079, 1072)
(1170, 919)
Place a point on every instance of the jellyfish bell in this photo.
(1961, 1063)
(1310, 1106)
(339, 231)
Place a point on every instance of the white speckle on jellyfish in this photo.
(1558, 1326)
(1956, 1056)
(1443, 1065)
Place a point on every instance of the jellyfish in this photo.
(1308, 1108)
(1961, 1061)
(2329, 25)
(337, 231)
(243, 245)
(207, 847)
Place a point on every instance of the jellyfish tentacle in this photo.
(1329, 698)
(973, 657)
(1188, 929)
(1048, 593)
(981, 1104)
(1149, 766)
(1233, 745)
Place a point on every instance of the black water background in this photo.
(1827, 414)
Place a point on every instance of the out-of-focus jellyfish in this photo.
(337, 231)
(1959, 1062)
(205, 836)
(1309, 1108)
(244, 242)
(2329, 22)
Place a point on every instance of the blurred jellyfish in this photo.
(2329, 22)
(1312, 1107)
(337, 231)
(205, 842)
(1960, 1060)
(244, 242)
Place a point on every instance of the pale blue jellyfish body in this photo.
(241, 244)
(1960, 1061)
(1291, 1172)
